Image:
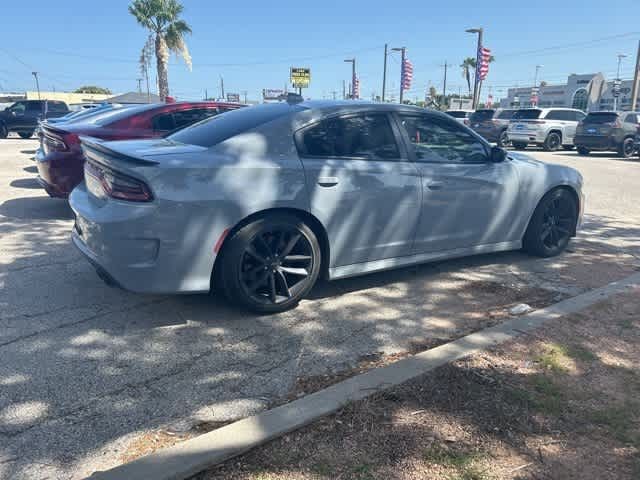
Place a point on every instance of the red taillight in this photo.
(71, 139)
(115, 184)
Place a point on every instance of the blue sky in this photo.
(253, 43)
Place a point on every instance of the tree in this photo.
(167, 31)
(468, 66)
(92, 89)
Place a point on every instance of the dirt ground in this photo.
(561, 403)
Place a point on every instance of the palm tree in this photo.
(467, 66)
(167, 31)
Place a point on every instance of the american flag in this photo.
(482, 69)
(407, 74)
(355, 94)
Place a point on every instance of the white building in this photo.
(588, 92)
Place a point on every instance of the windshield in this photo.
(457, 113)
(604, 117)
(481, 115)
(216, 129)
(527, 114)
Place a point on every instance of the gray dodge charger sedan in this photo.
(259, 202)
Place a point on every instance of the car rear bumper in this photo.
(489, 134)
(59, 172)
(595, 142)
(133, 246)
(526, 136)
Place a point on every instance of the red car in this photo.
(60, 160)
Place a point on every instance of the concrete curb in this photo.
(195, 455)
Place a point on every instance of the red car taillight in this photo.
(115, 184)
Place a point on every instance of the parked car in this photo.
(491, 124)
(259, 202)
(22, 117)
(550, 128)
(461, 116)
(607, 131)
(60, 162)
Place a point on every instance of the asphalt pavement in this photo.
(86, 370)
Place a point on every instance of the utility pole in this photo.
(352, 90)
(460, 97)
(35, 74)
(384, 72)
(476, 80)
(222, 86)
(402, 51)
(444, 85)
(617, 86)
(244, 93)
(344, 92)
(139, 80)
(206, 94)
(334, 93)
(636, 74)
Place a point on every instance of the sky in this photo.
(253, 43)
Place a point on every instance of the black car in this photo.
(492, 123)
(22, 117)
(607, 131)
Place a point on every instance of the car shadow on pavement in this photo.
(28, 152)
(36, 208)
(31, 169)
(30, 183)
(87, 368)
(598, 156)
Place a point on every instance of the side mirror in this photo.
(498, 154)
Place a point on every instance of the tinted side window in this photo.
(187, 117)
(56, 107)
(631, 118)
(555, 115)
(437, 141)
(18, 107)
(163, 122)
(358, 136)
(34, 107)
(579, 116)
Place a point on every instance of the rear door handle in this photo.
(435, 186)
(327, 181)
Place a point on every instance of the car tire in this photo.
(519, 145)
(4, 132)
(567, 147)
(270, 264)
(26, 135)
(626, 148)
(583, 151)
(503, 139)
(552, 224)
(552, 142)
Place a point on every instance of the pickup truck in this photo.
(22, 117)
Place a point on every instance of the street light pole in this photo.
(402, 51)
(615, 98)
(352, 61)
(384, 72)
(535, 78)
(476, 80)
(35, 74)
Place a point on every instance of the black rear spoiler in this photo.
(92, 147)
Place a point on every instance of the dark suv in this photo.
(607, 131)
(492, 123)
(22, 117)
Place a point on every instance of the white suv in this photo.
(550, 128)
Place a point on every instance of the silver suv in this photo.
(550, 128)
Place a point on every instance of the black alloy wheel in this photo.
(503, 139)
(271, 264)
(26, 135)
(552, 224)
(627, 148)
(553, 142)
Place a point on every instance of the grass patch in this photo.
(554, 358)
(582, 354)
(463, 463)
(322, 469)
(548, 397)
(363, 471)
(626, 323)
(619, 419)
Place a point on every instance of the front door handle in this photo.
(327, 181)
(435, 186)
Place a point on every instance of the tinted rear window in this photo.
(457, 114)
(608, 117)
(216, 129)
(110, 116)
(506, 114)
(529, 114)
(481, 115)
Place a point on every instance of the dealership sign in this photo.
(300, 77)
(233, 97)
